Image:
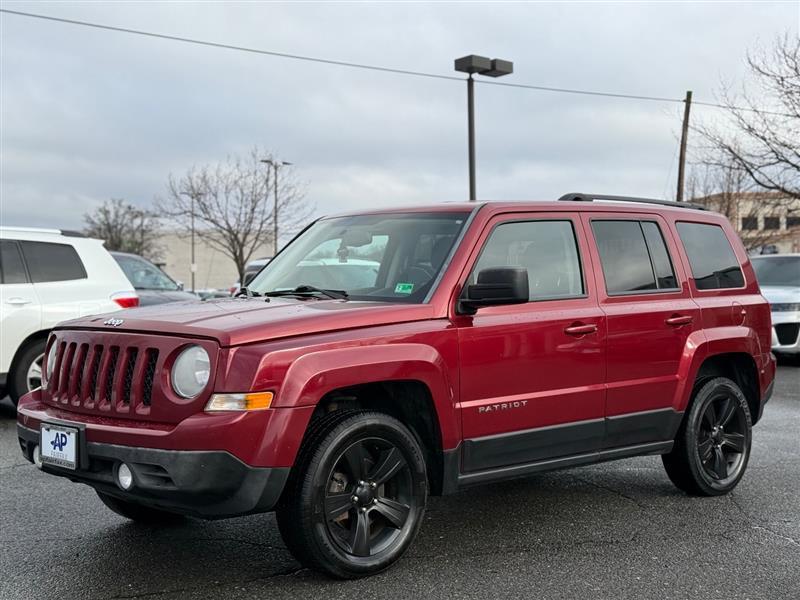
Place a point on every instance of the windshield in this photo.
(391, 258)
(778, 270)
(145, 275)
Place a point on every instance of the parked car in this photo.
(251, 269)
(495, 341)
(779, 277)
(151, 283)
(48, 276)
(212, 294)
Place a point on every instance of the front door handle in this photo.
(678, 320)
(17, 301)
(581, 329)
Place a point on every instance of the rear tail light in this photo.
(126, 299)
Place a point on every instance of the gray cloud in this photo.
(87, 115)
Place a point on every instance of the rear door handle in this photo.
(678, 320)
(17, 301)
(581, 329)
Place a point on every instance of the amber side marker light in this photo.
(252, 401)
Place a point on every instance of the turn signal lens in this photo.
(255, 401)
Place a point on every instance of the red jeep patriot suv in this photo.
(391, 354)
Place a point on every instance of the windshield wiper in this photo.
(245, 292)
(307, 290)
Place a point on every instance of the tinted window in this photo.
(12, 270)
(547, 249)
(662, 265)
(624, 255)
(52, 262)
(714, 265)
(778, 270)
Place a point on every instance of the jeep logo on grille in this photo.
(113, 322)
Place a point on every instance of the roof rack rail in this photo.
(579, 197)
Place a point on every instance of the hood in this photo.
(234, 321)
(151, 297)
(781, 294)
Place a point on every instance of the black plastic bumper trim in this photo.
(210, 484)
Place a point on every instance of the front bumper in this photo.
(786, 332)
(203, 483)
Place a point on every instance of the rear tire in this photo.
(713, 443)
(22, 379)
(356, 497)
(138, 512)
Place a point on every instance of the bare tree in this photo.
(232, 204)
(125, 228)
(764, 142)
(723, 185)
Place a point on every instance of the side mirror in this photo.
(180, 285)
(501, 285)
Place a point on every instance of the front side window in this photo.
(387, 257)
(547, 249)
(12, 269)
(52, 262)
(634, 256)
(145, 275)
(711, 257)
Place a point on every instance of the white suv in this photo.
(48, 276)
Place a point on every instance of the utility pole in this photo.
(687, 105)
(193, 267)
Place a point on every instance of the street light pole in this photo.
(275, 164)
(193, 267)
(480, 65)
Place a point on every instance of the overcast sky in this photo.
(88, 114)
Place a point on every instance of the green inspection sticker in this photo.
(404, 288)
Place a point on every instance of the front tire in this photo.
(713, 443)
(356, 496)
(138, 512)
(27, 373)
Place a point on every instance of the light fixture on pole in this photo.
(276, 164)
(478, 65)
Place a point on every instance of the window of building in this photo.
(711, 257)
(749, 223)
(772, 223)
(547, 249)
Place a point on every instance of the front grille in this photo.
(787, 333)
(109, 378)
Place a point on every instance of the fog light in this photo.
(37, 456)
(124, 477)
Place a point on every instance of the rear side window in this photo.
(12, 269)
(714, 265)
(634, 256)
(52, 262)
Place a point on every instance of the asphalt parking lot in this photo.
(618, 530)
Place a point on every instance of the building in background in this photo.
(767, 222)
(215, 270)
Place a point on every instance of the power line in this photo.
(353, 65)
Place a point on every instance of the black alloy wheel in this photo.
(369, 497)
(712, 447)
(356, 496)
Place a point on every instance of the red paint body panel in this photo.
(303, 349)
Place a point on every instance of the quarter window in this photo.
(711, 257)
(12, 269)
(547, 249)
(634, 256)
(52, 262)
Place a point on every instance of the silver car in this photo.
(779, 278)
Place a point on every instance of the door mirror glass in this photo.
(496, 286)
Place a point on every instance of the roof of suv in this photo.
(40, 231)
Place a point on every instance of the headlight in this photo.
(794, 307)
(191, 371)
(49, 364)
